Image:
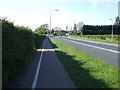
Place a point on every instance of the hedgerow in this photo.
(18, 44)
(38, 39)
(102, 37)
(100, 29)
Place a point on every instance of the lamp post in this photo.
(73, 22)
(112, 28)
(51, 16)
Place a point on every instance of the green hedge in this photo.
(38, 39)
(100, 29)
(18, 44)
(102, 37)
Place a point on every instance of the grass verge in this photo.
(99, 40)
(84, 70)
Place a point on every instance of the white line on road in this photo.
(96, 47)
(38, 68)
(96, 42)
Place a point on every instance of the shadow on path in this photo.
(80, 76)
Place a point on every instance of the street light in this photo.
(73, 22)
(112, 28)
(51, 16)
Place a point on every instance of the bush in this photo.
(102, 37)
(100, 30)
(17, 47)
(38, 39)
(18, 44)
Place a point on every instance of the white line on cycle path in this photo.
(38, 68)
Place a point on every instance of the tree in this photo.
(52, 31)
(42, 29)
(57, 29)
(80, 26)
(66, 28)
(117, 21)
(75, 27)
(100, 30)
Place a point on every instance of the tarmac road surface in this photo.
(107, 52)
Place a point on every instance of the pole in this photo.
(50, 22)
(51, 17)
(112, 32)
(112, 28)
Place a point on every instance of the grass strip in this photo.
(84, 70)
(99, 40)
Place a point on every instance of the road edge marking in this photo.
(38, 68)
(98, 42)
(96, 47)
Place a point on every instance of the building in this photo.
(117, 20)
(119, 11)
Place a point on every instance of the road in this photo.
(107, 52)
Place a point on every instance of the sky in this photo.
(33, 13)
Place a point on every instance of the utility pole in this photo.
(112, 28)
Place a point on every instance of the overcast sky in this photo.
(33, 13)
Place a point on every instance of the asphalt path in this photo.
(45, 71)
(107, 52)
(52, 73)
